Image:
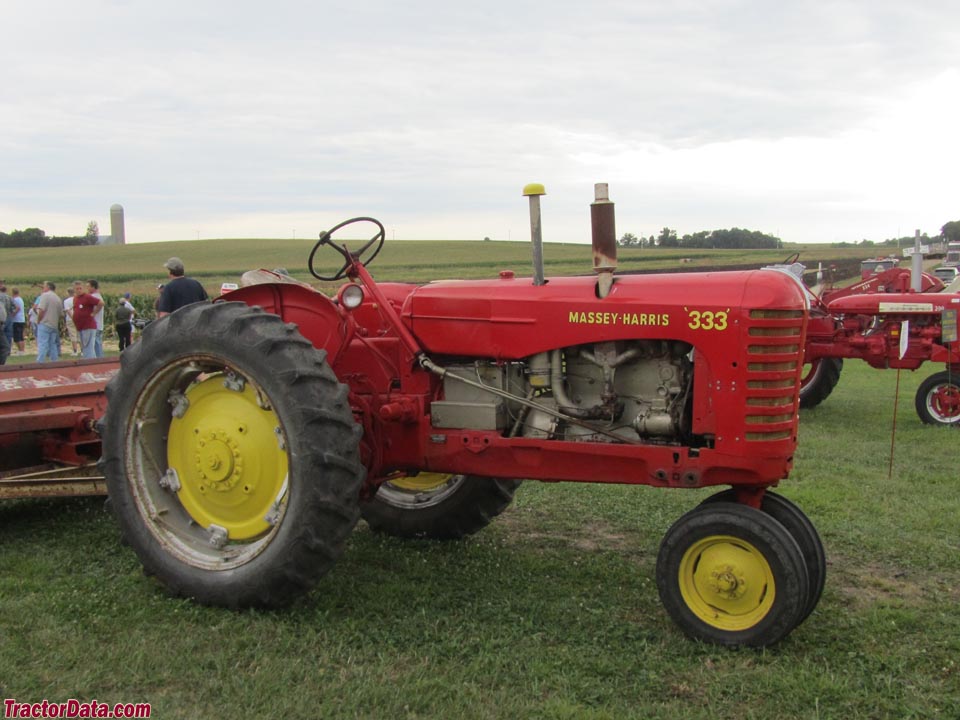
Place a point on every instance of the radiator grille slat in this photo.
(775, 354)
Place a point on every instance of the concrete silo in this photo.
(116, 225)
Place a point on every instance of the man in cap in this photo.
(180, 290)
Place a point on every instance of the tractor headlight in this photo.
(351, 296)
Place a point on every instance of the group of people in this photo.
(81, 312)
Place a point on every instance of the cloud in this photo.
(244, 118)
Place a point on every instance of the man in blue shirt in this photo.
(180, 290)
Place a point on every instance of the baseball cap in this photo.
(174, 265)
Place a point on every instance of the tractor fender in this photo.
(318, 318)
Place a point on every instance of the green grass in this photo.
(138, 268)
(551, 612)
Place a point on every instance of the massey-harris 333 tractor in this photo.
(243, 439)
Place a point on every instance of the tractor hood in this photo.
(511, 318)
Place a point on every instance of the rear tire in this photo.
(938, 399)
(819, 381)
(231, 456)
(732, 575)
(437, 506)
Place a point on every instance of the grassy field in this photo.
(551, 612)
(139, 268)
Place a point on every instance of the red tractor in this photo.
(243, 439)
(882, 322)
(891, 280)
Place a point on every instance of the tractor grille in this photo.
(774, 356)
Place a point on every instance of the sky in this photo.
(812, 121)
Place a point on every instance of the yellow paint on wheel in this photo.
(727, 582)
(422, 482)
(227, 453)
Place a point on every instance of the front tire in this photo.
(231, 456)
(802, 530)
(938, 399)
(437, 506)
(732, 575)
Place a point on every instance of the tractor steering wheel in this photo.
(791, 259)
(349, 257)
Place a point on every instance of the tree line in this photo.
(35, 237)
(734, 238)
(738, 239)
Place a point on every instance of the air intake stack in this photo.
(534, 191)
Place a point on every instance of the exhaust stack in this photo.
(604, 238)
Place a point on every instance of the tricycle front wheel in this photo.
(802, 530)
(732, 575)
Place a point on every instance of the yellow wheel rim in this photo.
(423, 482)
(726, 582)
(227, 451)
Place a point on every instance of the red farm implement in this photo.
(47, 427)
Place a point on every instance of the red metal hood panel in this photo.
(510, 318)
(895, 304)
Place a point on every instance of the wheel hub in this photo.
(946, 401)
(227, 451)
(726, 582)
(218, 461)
